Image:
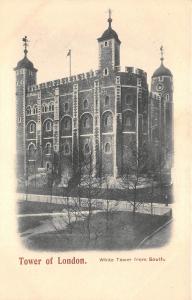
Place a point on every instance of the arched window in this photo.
(35, 110)
(32, 128)
(48, 148)
(51, 106)
(85, 103)
(31, 150)
(86, 148)
(128, 99)
(86, 122)
(66, 107)
(107, 148)
(66, 126)
(44, 108)
(48, 126)
(28, 110)
(66, 123)
(105, 71)
(66, 149)
(107, 120)
(106, 100)
(127, 121)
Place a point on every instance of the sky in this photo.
(53, 27)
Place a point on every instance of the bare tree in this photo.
(90, 184)
(151, 171)
(157, 170)
(110, 206)
(52, 172)
(70, 203)
(133, 172)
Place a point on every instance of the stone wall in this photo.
(103, 112)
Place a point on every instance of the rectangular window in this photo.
(105, 71)
(106, 44)
(118, 80)
(167, 97)
(139, 82)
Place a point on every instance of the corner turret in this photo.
(25, 77)
(109, 49)
(161, 114)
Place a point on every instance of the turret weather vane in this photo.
(25, 44)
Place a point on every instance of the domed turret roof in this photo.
(162, 71)
(25, 63)
(109, 33)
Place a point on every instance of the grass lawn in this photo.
(30, 207)
(26, 223)
(125, 231)
(143, 194)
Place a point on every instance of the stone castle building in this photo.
(101, 112)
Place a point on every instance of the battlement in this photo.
(137, 71)
(82, 76)
(131, 70)
(62, 81)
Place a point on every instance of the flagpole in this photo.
(70, 64)
(69, 54)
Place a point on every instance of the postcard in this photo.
(95, 162)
